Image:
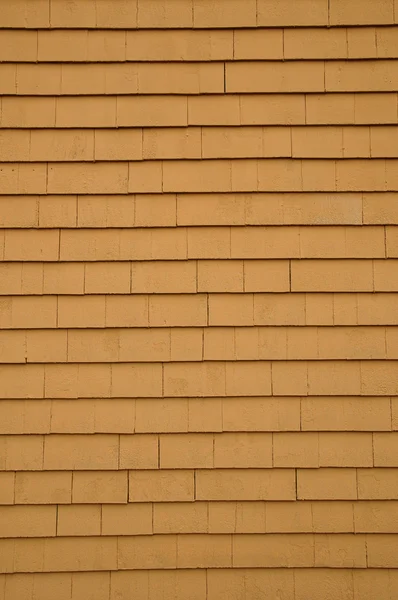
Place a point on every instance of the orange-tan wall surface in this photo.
(199, 300)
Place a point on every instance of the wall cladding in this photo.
(199, 300)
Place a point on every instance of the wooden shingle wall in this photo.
(199, 300)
